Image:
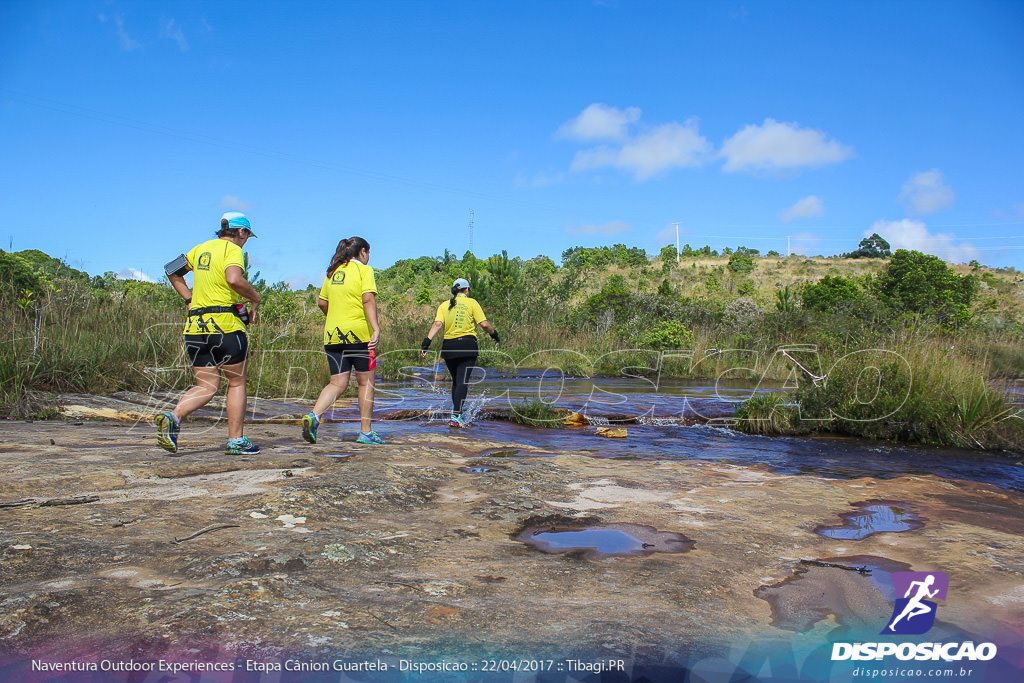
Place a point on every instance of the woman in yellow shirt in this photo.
(348, 299)
(215, 331)
(459, 317)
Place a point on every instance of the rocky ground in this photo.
(417, 549)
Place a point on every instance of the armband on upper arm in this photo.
(178, 266)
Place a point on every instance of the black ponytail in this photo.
(346, 251)
(455, 292)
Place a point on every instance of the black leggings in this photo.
(460, 356)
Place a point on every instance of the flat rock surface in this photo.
(410, 550)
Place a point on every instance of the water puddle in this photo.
(481, 469)
(592, 539)
(873, 517)
(857, 590)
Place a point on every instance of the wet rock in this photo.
(402, 554)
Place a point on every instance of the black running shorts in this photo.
(206, 350)
(343, 357)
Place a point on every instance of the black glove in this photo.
(494, 336)
(425, 344)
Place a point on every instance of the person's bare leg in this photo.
(235, 399)
(330, 393)
(206, 386)
(365, 380)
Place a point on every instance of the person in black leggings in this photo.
(459, 317)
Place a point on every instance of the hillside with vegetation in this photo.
(935, 346)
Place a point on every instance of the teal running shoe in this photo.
(167, 427)
(456, 420)
(241, 446)
(310, 423)
(370, 437)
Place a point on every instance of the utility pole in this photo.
(788, 252)
(677, 242)
(471, 231)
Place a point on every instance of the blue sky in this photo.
(127, 128)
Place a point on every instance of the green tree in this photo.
(831, 293)
(424, 295)
(871, 247)
(741, 261)
(18, 277)
(922, 283)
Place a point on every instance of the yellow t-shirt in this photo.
(346, 318)
(462, 319)
(209, 261)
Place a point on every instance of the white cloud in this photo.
(774, 146)
(230, 202)
(926, 193)
(169, 29)
(913, 234)
(671, 145)
(599, 122)
(609, 228)
(133, 274)
(808, 207)
(127, 42)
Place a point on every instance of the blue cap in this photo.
(237, 219)
(461, 283)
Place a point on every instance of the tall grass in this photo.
(897, 377)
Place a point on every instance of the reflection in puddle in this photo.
(873, 517)
(480, 469)
(818, 588)
(603, 540)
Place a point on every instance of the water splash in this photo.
(473, 406)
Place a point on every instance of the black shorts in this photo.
(343, 357)
(460, 348)
(206, 350)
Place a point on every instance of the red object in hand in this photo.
(373, 359)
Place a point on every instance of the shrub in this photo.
(741, 261)
(741, 314)
(922, 283)
(768, 414)
(536, 413)
(831, 294)
(668, 334)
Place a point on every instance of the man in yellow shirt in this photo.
(215, 332)
(459, 317)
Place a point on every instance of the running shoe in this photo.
(310, 423)
(370, 437)
(456, 420)
(167, 427)
(241, 446)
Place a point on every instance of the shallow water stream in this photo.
(657, 413)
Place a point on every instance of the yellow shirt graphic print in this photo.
(462, 319)
(346, 318)
(209, 261)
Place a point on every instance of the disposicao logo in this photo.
(914, 614)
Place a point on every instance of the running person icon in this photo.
(215, 332)
(351, 331)
(915, 607)
(459, 317)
